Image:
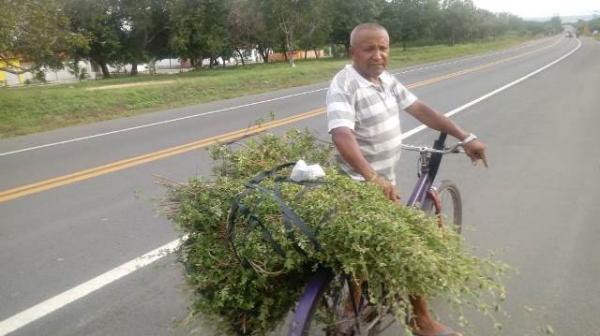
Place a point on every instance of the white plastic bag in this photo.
(303, 172)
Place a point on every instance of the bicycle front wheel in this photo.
(444, 201)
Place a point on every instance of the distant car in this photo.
(568, 34)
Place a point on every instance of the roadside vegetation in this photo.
(38, 108)
(52, 33)
(589, 28)
(111, 34)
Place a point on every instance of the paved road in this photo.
(535, 204)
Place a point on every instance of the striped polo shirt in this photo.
(372, 111)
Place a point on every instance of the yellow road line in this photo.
(473, 69)
(29, 189)
(11, 194)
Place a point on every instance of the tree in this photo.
(458, 21)
(240, 26)
(265, 34)
(403, 18)
(143, 31)
(346, 14)
(554, 26)
(99, 22)
(216, 35)
(199, 29)
(186, 25)
(588, 27)
(287, 18)
(315, 26)
(36, 31)
(430, 19)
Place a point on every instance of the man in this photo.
(363, 105)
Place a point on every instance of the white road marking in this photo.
(44, 308)
(488, 95)
(470, 58)
(164, 122)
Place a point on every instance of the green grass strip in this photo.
(33, 109)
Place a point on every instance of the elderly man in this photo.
(363, 106)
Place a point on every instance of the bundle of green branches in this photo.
(248, 267)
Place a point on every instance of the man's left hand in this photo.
(476, 151)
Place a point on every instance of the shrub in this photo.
(248, 267)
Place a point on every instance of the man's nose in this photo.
(379, 54)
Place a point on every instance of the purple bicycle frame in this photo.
(309, 301)
(420, 191)
(320, 281)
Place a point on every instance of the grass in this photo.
(28, 110)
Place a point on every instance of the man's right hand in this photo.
(476, 151)
(387, 187)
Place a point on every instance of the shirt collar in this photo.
(363, 82)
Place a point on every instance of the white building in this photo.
(51, 76)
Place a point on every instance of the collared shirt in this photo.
(372, 111)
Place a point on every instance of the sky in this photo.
(541, 8)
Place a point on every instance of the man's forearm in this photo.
(437, 121)
(347, 146)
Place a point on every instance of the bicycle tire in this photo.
(450, 199)
(331, 292)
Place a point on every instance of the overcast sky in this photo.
(541, 8)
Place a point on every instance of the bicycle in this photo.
(427, 194)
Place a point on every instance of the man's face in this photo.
(370, 52)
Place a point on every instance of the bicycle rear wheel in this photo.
(445, 202)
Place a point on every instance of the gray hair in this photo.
(365, 26)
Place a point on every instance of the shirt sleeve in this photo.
(404, 97)
(340, 110)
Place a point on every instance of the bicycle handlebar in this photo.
(457, 148)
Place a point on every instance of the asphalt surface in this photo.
(536, 205)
